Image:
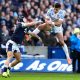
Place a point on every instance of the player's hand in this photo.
(23, 24)
(48, 22)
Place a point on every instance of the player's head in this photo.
(57, 7)
(22, 19)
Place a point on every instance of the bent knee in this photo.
(42, 26)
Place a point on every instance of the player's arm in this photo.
(48, 21)
(57, 23)
(30, 23)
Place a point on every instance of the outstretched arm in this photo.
(30, 23)
(56, 23)
(48, 21)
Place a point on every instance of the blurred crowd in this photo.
(10, 10)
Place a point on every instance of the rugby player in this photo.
(12, 45)
(54, 19)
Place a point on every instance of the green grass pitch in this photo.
(41, 76)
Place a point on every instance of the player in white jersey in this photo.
(55, 17)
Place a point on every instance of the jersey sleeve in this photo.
(49, 12)
(61, 15)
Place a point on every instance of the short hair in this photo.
(57, 5)
(20, 18)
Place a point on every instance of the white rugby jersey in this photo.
(58, 16)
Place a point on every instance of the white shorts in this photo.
(12, 46)
(57, 29)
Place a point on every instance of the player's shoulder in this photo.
(50, 10)
(62, 11)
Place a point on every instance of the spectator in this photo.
(75, 49)
(10, 10)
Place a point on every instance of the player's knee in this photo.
(41, 27)
(19, 60)
(6, 62)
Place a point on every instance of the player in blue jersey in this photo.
(54, 19)
(12, 48)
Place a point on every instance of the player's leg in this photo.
(17, 56)
(6, 64)
(64, 46)
(43, 26)
(9, 57)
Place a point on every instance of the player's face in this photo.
(56, 10)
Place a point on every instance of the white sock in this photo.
(36, 31)
(10, 65)
(65, 48)
(6, 66)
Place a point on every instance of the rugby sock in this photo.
(36, 31)
(65, 48)
(5, 68)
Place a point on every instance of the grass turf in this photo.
(41, 76)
